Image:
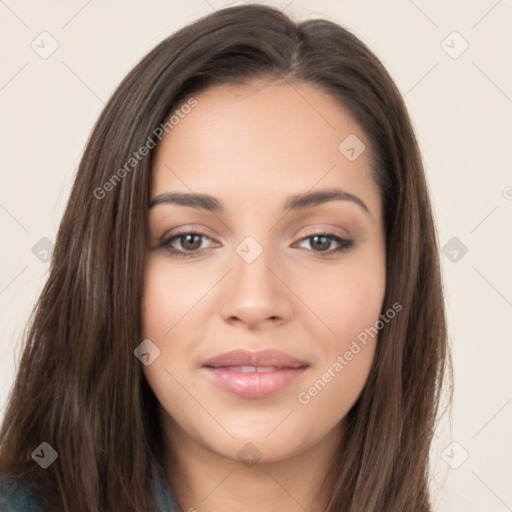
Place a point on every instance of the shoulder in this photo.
(16, 496)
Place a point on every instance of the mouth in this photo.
(254, 374)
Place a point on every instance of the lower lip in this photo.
(254, 384)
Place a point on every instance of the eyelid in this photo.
(187, 230)
(324, 229)
(344, 243)
(166, 239)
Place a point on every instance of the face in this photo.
(257, 297)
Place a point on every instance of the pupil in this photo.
(192, 245)
(324, 245)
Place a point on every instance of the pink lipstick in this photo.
(254, 374)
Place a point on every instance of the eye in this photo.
(189, 243)
(322, 242)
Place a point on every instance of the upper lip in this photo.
(267, 358)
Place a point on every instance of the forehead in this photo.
(253, 142)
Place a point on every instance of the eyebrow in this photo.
(296, 202)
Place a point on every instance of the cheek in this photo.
(165, 301)
(348, 302)
(173, 312)
(345, 299)
(347, 355)
(159, 307)
(169, 296)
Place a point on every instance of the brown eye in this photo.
(322, 242)
(190, 242)
(185, 244)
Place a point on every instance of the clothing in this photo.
(25, 498)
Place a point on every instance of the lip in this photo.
(224, 370)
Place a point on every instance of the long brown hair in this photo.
(78, 385)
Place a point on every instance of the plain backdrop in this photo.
(451, 60)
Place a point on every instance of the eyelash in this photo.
(344, 244)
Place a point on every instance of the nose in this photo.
(256, 294)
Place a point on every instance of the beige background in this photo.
(462, 111)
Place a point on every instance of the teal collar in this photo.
(164, 497)
(16, 496)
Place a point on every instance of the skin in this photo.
(251, 147)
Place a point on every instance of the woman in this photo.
(244, 309)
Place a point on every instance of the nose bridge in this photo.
(252, 262)
(255, 293)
